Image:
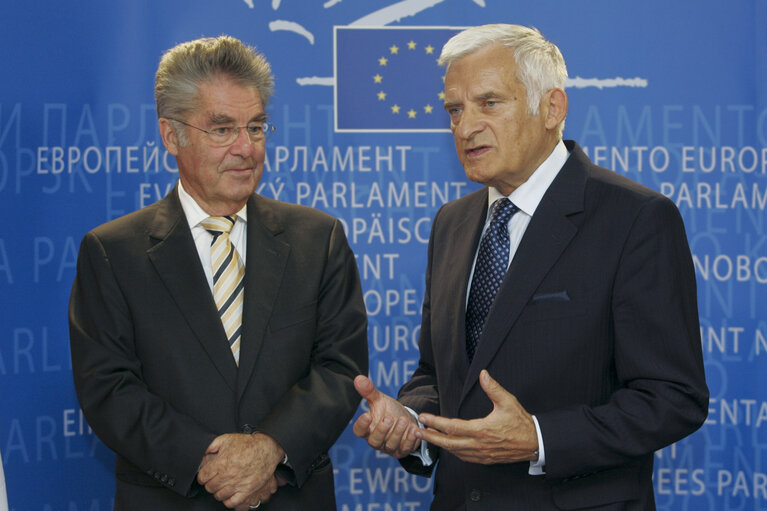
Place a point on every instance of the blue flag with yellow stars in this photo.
(388, 79)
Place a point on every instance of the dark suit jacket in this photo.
(153, 370)
(594, 329)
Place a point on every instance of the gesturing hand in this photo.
(239, 467)
(506, 435)
(388, 427)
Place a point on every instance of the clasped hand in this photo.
(506, 435)
(238, 469)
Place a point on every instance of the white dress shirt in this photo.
(202, 238)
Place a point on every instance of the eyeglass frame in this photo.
(267, 129)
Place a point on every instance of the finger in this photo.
(271, 486)
(228, 497)
(454, 444)
(494, 390)
(365, 387)
(235, 500)
(215, 445)
(207, 473)
(396, 435)
(379, 432)
(411, 441)
(453, 427)
(208, 468)
(361, 426)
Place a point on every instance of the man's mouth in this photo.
(244, 168)
(477, 150)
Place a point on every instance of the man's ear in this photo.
(555, 103)
(169, 136)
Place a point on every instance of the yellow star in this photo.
(442, 96)
(394, 49)
(429, 49)
(411, 113)
(411, 45)
(428, 109)
(381, 96)
(395, 109)
(382, 61)
(377, 78)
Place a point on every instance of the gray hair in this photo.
(188, 65)
(540, 65)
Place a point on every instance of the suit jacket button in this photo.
(475, 495)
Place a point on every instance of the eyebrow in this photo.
(450, 104)
(488, 95)
(226, 119)
(480, 97)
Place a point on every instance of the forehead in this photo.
(490, 67)
(224, 97)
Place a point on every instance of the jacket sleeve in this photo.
(662, 394)
(420, 393)
(131, 420)
(313, 413)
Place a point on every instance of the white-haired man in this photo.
(559, 345)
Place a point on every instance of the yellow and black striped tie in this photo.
(228, 278)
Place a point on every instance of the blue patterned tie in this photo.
(492, 261)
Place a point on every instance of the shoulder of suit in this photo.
(606, 182)
(469, 200)
(289, 212)
(136, 222)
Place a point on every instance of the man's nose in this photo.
(242, 145)
(469, 124)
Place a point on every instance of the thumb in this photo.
(492, 388)
(365, 388)
(214, 446)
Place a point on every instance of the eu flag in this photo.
(387, 79)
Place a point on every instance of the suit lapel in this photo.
(548, 234)
(267, 257)
(178, 265)
(454, 280)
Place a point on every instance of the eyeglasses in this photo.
(258, 131)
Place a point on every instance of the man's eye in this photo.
(255, 129)
(491, 103)
(454, 111)
(222, 131)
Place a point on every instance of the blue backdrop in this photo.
(670, 94)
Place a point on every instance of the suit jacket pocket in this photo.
(598, 489)
(547, 305)
(287, 318)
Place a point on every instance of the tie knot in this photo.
(217, 225)
(504, 208)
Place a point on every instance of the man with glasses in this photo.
(215, 334)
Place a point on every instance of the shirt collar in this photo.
(195, 214)
(528, 195)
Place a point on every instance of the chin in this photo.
(477, 176)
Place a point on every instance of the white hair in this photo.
(540, 65)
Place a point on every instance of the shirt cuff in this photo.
(422, 453)
(537, 467)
